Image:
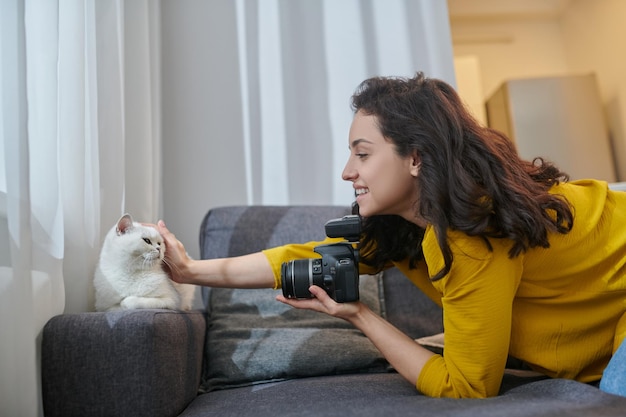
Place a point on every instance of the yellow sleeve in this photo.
(477, 299)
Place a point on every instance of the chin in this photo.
(364, 212)
(368, 210)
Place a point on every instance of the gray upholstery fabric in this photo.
(408, 308)
(378, 395)
(234, 231)
(251, 338)
(129, 363)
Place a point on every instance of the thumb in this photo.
(162, 227)
(318, 292)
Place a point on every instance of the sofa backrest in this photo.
(239, 230)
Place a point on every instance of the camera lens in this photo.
(298, 275)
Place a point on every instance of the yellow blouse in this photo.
(557, 309)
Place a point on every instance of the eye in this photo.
(362, 155)
(145, 239)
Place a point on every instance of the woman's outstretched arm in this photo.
(247, 271)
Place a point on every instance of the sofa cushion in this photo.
(252, 338)
(391, 395)
(408, 308)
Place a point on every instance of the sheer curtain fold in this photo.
(70, 70)
(303, 60)
(81, 127)
(142, 99)
(17, 346)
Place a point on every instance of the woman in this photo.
(522, 261)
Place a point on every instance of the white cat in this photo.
(129, 274)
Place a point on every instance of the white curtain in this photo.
(79, 145)
(82, 115)
(300, 62)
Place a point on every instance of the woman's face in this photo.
(383, 181)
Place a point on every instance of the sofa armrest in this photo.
(134, 362)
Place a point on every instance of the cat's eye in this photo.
(145, 239)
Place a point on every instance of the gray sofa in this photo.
(248, 355)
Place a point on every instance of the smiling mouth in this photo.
(361, 191)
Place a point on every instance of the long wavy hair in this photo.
(471, 178)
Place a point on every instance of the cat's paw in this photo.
(132, 302)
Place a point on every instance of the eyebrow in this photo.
(358, 141)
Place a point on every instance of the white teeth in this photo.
(360, 191)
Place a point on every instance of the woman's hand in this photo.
(246, 271)
(176, 262)
(323, 303)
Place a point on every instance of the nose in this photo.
(349, 173)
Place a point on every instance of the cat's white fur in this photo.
(129, 273)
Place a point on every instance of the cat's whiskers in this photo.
(146, 263)
(172, 268)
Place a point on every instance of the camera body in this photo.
(337, 271)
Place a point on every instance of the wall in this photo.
(516, 49)
(469, 85)
(594, 36)
(202, 127)
(588, 37)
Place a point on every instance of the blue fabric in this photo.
(614, 376)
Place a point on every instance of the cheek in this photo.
(399, 185)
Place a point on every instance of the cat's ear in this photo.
(124, 224)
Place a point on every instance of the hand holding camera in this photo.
(337, 271)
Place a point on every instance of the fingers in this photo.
(306, 304)
(319, 293)
(169, 237)
(320, 302)
(323, 303)
(162, 228)
(174, 253)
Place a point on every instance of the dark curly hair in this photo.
(471, 177)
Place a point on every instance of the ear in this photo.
(416, 164)
(124, 224)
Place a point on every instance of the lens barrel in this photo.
(298, 275)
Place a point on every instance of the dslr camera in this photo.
(337, 271)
